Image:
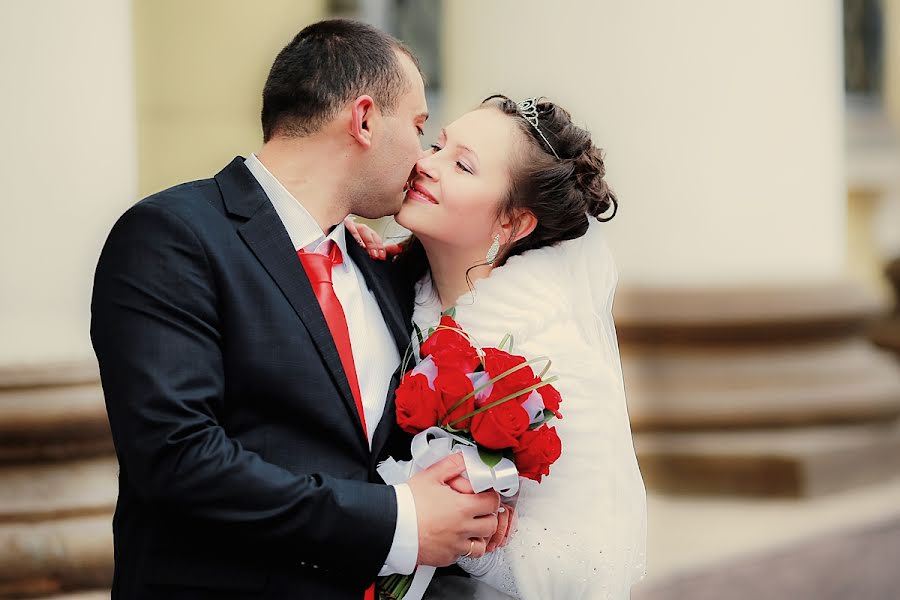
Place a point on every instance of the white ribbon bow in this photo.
(431, 446)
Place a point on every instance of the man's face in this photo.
(396, 150)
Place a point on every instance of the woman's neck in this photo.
(450, 266)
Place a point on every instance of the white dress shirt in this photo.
(375, 354)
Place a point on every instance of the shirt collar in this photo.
(339, 236)
(302, 228)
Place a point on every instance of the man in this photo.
(249, 354)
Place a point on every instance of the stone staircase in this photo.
(764, 392)
(767, 428)
(57, 480)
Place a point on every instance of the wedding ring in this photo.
(471, 547)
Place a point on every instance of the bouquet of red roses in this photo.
(484, 402)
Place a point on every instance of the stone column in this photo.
(80, 146)
(722, 124)
(69, 164)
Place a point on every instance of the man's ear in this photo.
(514, 229)
(362, 113)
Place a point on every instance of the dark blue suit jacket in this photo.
(244, 471)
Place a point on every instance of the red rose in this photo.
(501, 426)
(417, 404)
(453, 384)
(497, 362)
(551, 399)
(538, 449)
(445, 337)
(457, 358)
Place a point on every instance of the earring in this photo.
(493, 251)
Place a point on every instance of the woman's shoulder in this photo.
(532, 292)
(519, 298)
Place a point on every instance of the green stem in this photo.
(527, 390)
(404, 586)
(546, 368)
(407, 356)
(489, 383)
(387, 583)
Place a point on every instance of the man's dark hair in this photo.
(325, 66)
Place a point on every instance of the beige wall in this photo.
(105, 101)
(200, 67)
(722, 122)
(68, 163)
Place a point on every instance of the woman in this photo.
(500, 210)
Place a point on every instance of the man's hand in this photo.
(451, 524)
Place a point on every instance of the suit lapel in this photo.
(267, 238)
(388, 422)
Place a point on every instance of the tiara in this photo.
(528, 109)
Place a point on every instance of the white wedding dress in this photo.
(582, 531)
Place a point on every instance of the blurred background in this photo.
(754, 148)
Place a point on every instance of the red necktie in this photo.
(318, 267)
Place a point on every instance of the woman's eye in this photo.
(435, 148)
(464, 167)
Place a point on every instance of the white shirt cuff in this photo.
(405, 547)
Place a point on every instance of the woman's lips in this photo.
(421, 194)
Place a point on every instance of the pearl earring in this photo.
(494, 250)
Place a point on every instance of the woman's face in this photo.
(457, 187)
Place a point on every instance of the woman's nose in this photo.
(425, 167)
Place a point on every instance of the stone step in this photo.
(753, 357)
(52, 411)
(769, 463)
(750, 314)
(52, 414)
(44, 373)
(53, 556)
(37, 451)
(831, 381)
(29, 588)
(34, 493)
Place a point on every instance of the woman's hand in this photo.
(506, 526)
(506, 516)
(366, 237)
